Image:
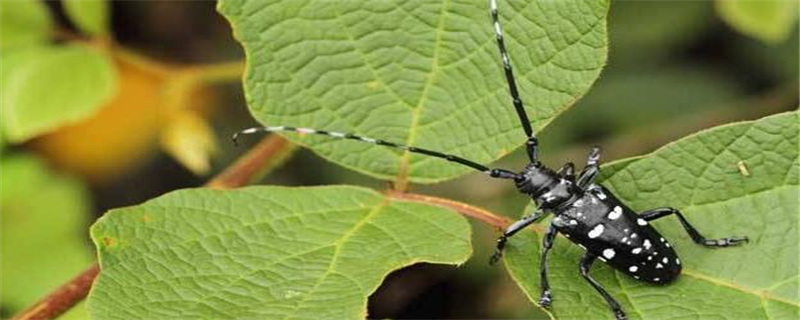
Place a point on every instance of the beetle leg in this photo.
(547, 243)
(586, 264)
(696, 236)
(567, 171)
(591, 169)
(511, 230)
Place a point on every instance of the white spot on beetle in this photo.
(647, 244)
(578, 203)
(677, 261)
(579, 214)
(662, 239)
(665, 260)
(626, 230)
(641, 222)
(615, 214)
(668, 245)
(624, 239)
(650, 258)
(636, 277)
(597, 231)
(633, 268)
(636, 250)
(609, 253)
(601, 195)
(634, 235)
(573, 222)
(659, 266)
(656, 279)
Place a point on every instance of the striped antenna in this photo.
(512, 84)
(497, 173)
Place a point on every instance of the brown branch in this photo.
(238, 174)
(467, 210)
(63, 298)
(267, 153)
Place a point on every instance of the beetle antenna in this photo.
(496, 173)
(512, 83)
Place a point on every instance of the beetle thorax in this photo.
(546, 187)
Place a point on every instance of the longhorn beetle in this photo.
(585, 212)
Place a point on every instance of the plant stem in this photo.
(263, 155)
(467, 210)
(268, 153)
(63, 298)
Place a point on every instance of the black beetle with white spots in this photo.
(585, 212)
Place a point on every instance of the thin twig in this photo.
(63, 298)
(470, 211)
(238, 174)
(267, 153)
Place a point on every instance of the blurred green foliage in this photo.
(771, 21)
(43, 236)
(79, 80)
(91, 16)
(23, 23)
(48, 85)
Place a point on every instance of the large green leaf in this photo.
(263, 252)
(425, 73)
(23, 23)
(42, 230)
(701, 176)
(48, 87)
(770, 21)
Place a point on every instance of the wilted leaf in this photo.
(770, 21)
(700, 176)
(416, 72)
(51, 87)
(42, 234)
(263, 252)
(23, 23)
(91, 16)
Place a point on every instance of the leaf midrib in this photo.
(402, 172)
(336, 254)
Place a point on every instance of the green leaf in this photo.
(770, 21)
(420, 73)
(46, 88)
(91, 16)
(263, 252)
(700, 176)
(23, 23)
(42, 234)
